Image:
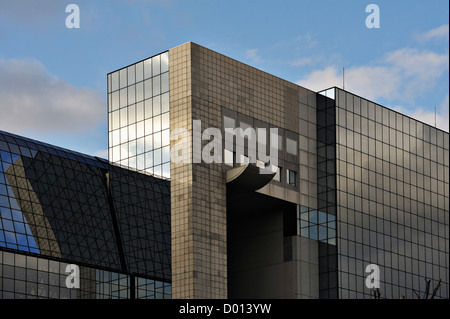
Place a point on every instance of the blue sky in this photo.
(53, 79)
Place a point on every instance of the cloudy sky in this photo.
(53, 79)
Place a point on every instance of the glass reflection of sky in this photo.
(14, 230)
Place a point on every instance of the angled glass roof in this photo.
(27, 147)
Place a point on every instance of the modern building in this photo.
(224, 181)
(59, 208)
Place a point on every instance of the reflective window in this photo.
(229, 122)
(22, 278)
(55, 203)
(316, 225)
(292, 177)
(291, 146)
(143, 95)
(388, 199)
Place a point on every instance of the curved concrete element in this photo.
(248, 178)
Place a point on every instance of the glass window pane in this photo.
(123, 97)
(164, 62)
(228, 122)
(331, 233)
(140, 146)
(132, 149)
(157, 85)
(157, 123)
(139, 91)
(157, 140)
(132, 132)
(157, 156)
(322, 217)
(156, 105)
(291, 146)
(132, 114)
(313, 216)
(123, 78)
(115, 103)
(139, 111)
(115, 81)
(157, 170)
(131, 74)
(322, 233)
(165, 121)
(313, 232)
(165, 103)
(244, 125)
(148, 90)
(148, 126)
(131, 94)
(166, 154)
(139, 71)
(123, 117)
(292, 177)
(148, 108)
(132, 162)
(147, 68)
(109, 102)
(123, 134)
(115, 137)
(124, 151)
(116, 154)
(140, 162)
(280, 143)
(140, 129)
(164, 82)
(166, 170)
(148, 159)
(115, 120)
(165, 137)
(156, 65)
(304, 232)
(148, 144)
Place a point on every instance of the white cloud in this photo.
(440, 118)
(403, 74)
(400, 77)
(322, 79)
(425, 66)
(32, 99)
(441, 32)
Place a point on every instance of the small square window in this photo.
(228, 122)
(291, 146)
(292, 177)
(280, 143)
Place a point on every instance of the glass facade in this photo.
(326, 195)
(59, 207)
(138, 116)
(32, 277)
(392, 178)
(316, 225)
